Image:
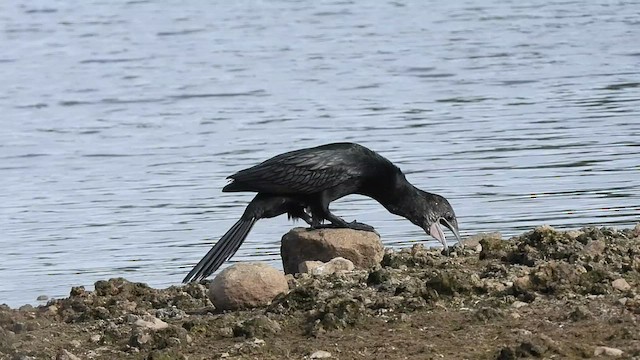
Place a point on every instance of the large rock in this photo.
(246, 285)
(363, 248)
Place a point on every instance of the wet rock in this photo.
(338, 264)
(246, 285)
(363, 248)
(259, 326)
(607, 351)
(42, 298)
(151, 323)
(66, 355)
(320, 354)
(620, 284)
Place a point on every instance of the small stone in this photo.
(621, 284)
(52, 309)
(224, 355)
(522, 284)
(246, 285)
(75, 343)
(66, 355)
(623, 301)
(42, 298)
(151, 322)
(95, 338)
(226, 332)
(320, 354)
(138, 340)
(595, 247)
(518, 304)
(607, 351)
(363, 248)
(473, 242)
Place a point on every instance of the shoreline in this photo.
(544, 293)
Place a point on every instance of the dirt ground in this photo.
(543, 294)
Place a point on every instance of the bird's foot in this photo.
(360, 226)
(352, 225)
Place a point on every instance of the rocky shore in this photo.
(543, 294)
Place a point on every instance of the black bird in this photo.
(302, 183)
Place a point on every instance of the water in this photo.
(121, 120)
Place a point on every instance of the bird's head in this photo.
(438, 212)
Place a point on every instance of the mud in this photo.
(543, 294)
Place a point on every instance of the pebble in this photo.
(607, 351)
(320, 354)
(95, 338)
(42, 298)
(518, 304)
(621, 284)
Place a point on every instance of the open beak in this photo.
(436, 231)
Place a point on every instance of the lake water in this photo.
(121, 120)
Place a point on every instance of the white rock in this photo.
(308, 266)
(607, 351)
(621, 284)
(518, 304)
(320, 354)
(320, 268)
(246, 285)
(151, 322)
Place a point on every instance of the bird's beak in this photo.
(435, 230)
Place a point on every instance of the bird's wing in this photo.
(303, 171)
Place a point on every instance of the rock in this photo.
(66, 355)
(246, 285)
(473, 242)
(319, 268)
(595, 248)
(620, 284)
(95, 338)
(42, 298)
(518, 304)
(139, 339)
(306, 267)
(151, 322)
(320, 354)
(363, 248)
(493, 248)
(607, 351)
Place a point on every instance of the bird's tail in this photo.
(222, 250)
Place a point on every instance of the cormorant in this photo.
(302, 183)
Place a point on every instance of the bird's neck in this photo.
(401, 201)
